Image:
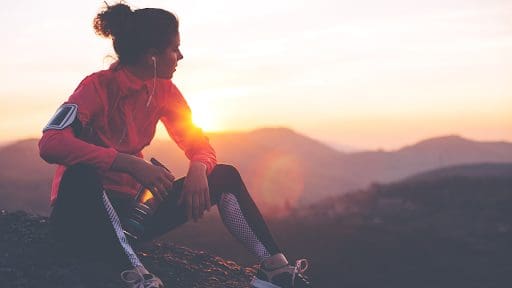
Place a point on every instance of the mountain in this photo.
(450, 227)
(25, 179)
(282, 169)
(281, 166)
(383, 166)
(285, 169)
(483, 170)
(434, 184)
(29, 259)
(21, 161)
(444, 228)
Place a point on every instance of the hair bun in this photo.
(113, 20)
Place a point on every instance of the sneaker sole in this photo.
(258, 283)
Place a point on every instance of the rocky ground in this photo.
(27, 259)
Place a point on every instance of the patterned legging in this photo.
(86, 219)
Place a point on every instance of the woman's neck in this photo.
(143, 73)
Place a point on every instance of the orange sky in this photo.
(367, 74)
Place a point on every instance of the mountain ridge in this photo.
(283, 169)
(450, 229)
(283, 131)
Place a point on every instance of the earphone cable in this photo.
(154, 83)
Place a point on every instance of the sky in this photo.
(365, 74)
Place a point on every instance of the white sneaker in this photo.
(275, 272)
(139, 277)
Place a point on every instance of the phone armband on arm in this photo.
(64, 117)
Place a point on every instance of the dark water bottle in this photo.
(143, 206)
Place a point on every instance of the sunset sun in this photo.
(203, 116)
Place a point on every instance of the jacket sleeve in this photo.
(177, 119)
(62, 146)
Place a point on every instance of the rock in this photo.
(27, 260)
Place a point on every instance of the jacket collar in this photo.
(128, 83)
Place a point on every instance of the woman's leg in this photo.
(85, 224)
(237, 209)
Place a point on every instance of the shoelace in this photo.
(137, 280)
(300, 267)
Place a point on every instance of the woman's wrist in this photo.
(125, 163)
(196, 168)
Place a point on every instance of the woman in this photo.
(98, 134)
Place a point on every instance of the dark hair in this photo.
(133, 33)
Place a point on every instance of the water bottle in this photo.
(143, 206)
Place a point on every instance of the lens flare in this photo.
(278, 182)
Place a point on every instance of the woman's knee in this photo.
(226, 171)
(225, 178)
(80, 177)
(80, 171)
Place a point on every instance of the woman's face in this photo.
(167, 61)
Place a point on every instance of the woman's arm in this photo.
(178, 121)
(155, 178)
(62, 147)
(196, 191)
(59, 144)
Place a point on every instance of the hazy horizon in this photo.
(368, 74)
(337, 146)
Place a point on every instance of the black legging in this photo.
(81, 225)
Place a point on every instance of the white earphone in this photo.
(154, 81)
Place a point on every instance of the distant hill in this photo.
(282, 169)
(280, 166)
(450, 227)
(20, 161)
(445, 228)
(434, 184)
(484, 170)
(25, 179)
(427, 155)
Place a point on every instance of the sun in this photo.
(203, 117)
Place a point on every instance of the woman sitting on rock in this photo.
(97, 136)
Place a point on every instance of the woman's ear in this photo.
(149, 60)
(151, 57)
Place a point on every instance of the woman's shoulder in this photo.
(98, 79)
(170, 89)
(103, 76)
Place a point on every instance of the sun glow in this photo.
(279, 182)
(203, 116)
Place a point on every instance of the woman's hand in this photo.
(157, 179)
(196, 194)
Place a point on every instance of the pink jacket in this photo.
(113, 110)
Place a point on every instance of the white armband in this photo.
(63, 118)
